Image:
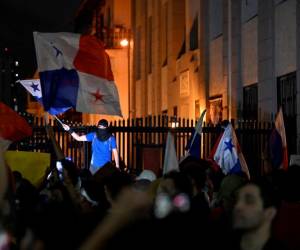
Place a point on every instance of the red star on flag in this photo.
(97, 95)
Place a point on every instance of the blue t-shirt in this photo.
(101, 150)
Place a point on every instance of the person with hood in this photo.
(103, 145)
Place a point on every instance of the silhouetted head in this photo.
(103, 132)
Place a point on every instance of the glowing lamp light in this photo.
(173, 121)
(124, 42)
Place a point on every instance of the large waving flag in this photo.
(13, 127)
(193, 145)
(33, 86)
(170, 160)
(278, 145)
(75, 71)
(228, 154)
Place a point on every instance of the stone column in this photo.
(236, 63)
(267, 94)
(203, 72)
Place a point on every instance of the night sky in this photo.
(19, 18)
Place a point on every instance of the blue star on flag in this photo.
(58, 52)
(35, 87)
(229, 145)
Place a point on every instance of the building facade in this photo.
(238, 59)
(112, 25)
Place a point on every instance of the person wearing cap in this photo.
(103, 145)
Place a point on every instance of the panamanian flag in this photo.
(33, 86)
(75, 71)
(228, 154)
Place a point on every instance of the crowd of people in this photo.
(194, 207)
(112, 207)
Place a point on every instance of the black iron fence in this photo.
(142, 140)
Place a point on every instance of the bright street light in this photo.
(124, 42)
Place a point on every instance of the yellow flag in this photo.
(32, 165)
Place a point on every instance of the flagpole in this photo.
(61, 123)
(198, 129)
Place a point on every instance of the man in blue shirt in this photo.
(103, 145)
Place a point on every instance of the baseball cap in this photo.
(147, 175)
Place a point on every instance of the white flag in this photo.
(170, 161)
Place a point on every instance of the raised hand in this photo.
(66, 127)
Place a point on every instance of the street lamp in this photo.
(125, 43)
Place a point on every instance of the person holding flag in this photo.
(103, 145)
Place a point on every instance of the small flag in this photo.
(278, 144)
(32, 165)
(13, 127)
(33, 86)
(193, 145)
(170, 161)
(228, 154)
(75, 71)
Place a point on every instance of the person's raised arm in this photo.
(73, 134)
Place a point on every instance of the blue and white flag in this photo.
(193, 145)
(33, 86)
(228, 154)
(75, 71)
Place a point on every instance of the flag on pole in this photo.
(170, 161)
(228, 154)
(13, 127)
(32, 165)
(193, 145)
(278, 144)
(75, 71)
(33, 86)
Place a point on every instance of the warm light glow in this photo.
(124, 42)
(174, 124)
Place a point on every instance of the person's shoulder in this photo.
(90, 135)
(93, 133)
(112, 137)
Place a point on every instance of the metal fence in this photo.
(138, 137)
